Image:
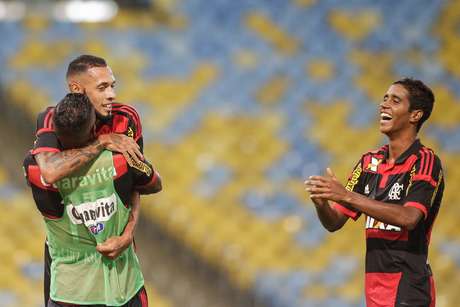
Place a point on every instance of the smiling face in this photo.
(395, 116)
(98, 83)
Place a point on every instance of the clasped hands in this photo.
(325, 188)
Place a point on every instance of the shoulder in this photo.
(45, 118)
(29, 159)
(125, 110)
(428, 160)
(127, 119)
(376, 154)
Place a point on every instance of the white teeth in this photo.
(385, 116)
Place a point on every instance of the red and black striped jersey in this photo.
(124, 120)
(126, 179)
(397, 270)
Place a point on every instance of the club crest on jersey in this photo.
(373, 165)
(395, 191)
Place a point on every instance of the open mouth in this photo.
(385, 117)
(107, 107)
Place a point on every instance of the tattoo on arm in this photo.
(64, 163)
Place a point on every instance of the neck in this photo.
(399, 144)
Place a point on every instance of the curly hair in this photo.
(72, 114)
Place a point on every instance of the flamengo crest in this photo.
(395, 191)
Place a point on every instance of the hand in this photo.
(114, 246)
(124, 145)
(326, 187)
(318, 202)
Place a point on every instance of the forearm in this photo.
(154, 186)
(387, 213)
(128, 232)
(329, 217)
(56, 165)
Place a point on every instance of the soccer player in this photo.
(118, 128)
(399, 188)
(81, 211)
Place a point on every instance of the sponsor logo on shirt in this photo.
(95, 229)
(140, 166)
(354, 178)
(372, 223)
(395, 191)
(93, 214)
(99, 176)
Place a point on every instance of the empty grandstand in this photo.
(240, 101)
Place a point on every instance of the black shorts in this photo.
(139, 300)
(47, 277)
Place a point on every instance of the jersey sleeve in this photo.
(426, 177)
(355, 183)
(47, 198)
(143, 173)
(46, 139)
(134, 128)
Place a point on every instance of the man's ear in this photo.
(75, 87)
(416, 116)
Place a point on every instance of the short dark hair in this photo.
(83, 63)
(420, 97)
(72, 114)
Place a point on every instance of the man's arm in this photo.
(154, 186)
(145, 178)
(331, 218)
(115, 245)
(327, 188)
(333, 215)
(56, 165)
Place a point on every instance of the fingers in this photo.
(103, 248)
(315, 178)
(320, 196)
(331, 173)
(315, 183)
(138, 152)
(108, 250)
(317, 190)
(128, 158)
(134, 156)
(122, 143)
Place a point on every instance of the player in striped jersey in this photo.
(118, 128)
(399, 188)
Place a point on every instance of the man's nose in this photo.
(111, 95)
(383, 104)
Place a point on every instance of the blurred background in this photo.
(240, 101)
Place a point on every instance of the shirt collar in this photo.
(413, 149)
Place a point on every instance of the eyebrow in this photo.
(105, 84)
(393, 96)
